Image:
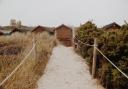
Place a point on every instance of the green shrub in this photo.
(114, 45)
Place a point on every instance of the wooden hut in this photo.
(64, 34)
(40, 29)
(16, 30)
(1, 33)
(112, 27)
(1, 29)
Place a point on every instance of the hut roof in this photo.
(16, 30)
(114, 24)
(48, 29)
(24, 28)
(63, 25)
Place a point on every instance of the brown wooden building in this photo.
(112, 27)
(64, 34)
(40, 29)
(16, 30)
(1, 33)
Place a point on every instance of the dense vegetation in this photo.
(114, 44)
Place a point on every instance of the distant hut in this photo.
(22, 29)
(1, 33)
(112, 27)
(64, 34)
(16, 30)
(40, 29)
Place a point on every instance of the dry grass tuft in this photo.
(29, 73)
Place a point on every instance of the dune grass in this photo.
(27, 75)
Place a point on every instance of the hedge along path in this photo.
(67, 70)
(112, 63)
(95, 47)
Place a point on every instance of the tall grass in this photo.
(28, 74)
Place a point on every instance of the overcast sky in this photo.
(56, 12)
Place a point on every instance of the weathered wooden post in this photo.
(34, 42)
(94, 58)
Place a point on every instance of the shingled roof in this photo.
(111, 25)
(43, 28)
(63, 25)
(17, 30)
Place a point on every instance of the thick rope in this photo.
(112, 63)
(84, 43)
(104, 57)
(22, 62)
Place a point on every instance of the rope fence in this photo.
(112, 63)
(34, 45)
(84, 43)
(95, 47)
(21, 63)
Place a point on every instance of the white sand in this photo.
(67, 70)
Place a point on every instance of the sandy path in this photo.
(66, 70)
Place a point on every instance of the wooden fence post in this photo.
(34, 42)
(94, 58)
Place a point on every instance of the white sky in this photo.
(56, 12)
